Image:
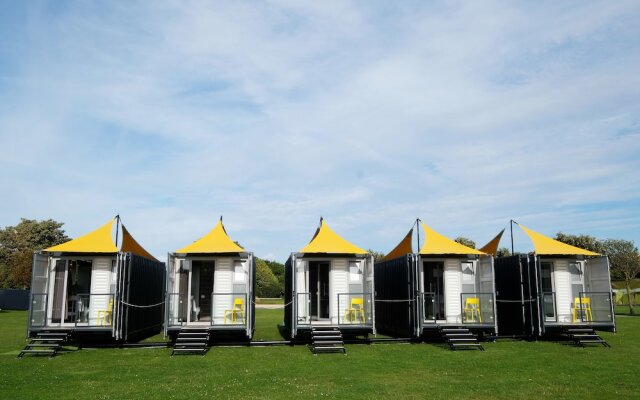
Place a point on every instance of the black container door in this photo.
(434, 283)
(323, 283)
(319, 290)
(206, 289)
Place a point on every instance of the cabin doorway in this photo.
(319, 290)
(72, 286)
(434, 284)
(202, 289)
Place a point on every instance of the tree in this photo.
(278, 270)
(625, 262)
(582, 241)
(377, 255)
(266, 282)
(17, 244)
(465, 241)
(503, 252)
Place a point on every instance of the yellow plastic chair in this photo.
(355, 309)
(238, 309)
(103, 314)
(582, 306)
(472, 309)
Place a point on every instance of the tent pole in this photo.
(418, 233)
(117, 227)
(511, 224)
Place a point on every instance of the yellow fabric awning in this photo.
(327, 241)
(216, 241)
(98, 241)
(544, 245)
(404, 247)
(129, 244)
(435, 243)
(492, 246)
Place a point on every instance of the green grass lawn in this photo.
(509, 369)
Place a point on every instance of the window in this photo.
(546, 269)
(355, 273)
(238, 271)
(468, 277)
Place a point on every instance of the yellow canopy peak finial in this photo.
(544, 245)
(435, 243)
(325, 240)
(216, 241)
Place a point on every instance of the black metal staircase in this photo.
(191, 341)
(46, 344)
(585, 336)
(460, 338)
(327, 340)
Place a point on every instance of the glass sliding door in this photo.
(548, 294)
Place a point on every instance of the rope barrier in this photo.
(138, 306)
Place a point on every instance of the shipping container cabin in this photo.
(444, 285)
(95, 291)
(329, 283)
(552, 290)
(211, 286)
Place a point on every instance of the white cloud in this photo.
(276, 113)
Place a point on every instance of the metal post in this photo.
(512, 251)
(117, 226)
(418, 234)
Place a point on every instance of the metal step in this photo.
(583, 336)
(460, 338)
(327, 340)
(45, 343)
(191, 341)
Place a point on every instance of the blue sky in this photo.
(274, 113)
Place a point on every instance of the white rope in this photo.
(137, 306)
(395, 301)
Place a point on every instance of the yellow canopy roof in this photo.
(98, 241)
(435, 243)
(404, 247)
(101, 241)
(544, 245)
(129, 244)
(327, 241)
(216, 241)
(492, 246)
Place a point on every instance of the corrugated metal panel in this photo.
(142, 289)
(513, 313)
(338, 284)
(395, 297)
(562, 289)
(452, 289)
